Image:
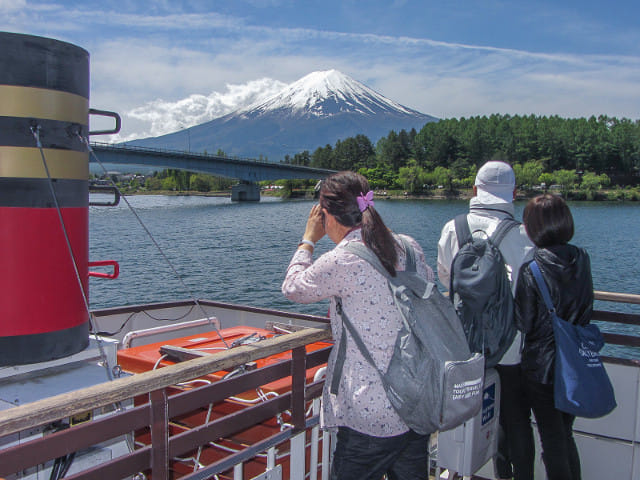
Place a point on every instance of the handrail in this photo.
(617, 297)
(50, 409)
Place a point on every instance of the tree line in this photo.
(568, 154)
(543, 150)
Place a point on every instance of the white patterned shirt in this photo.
(361, 402)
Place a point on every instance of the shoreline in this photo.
(466, 194)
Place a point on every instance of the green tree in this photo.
(412, 176)
(303, 158)
(379, 177)
(443, 177)
(169, 183)
(153, 183)
(591, 181)
(528, 174)
(354, 153)
(200, 182)
(393, 150)
(567, 179)
(546, 179)
(323, 157)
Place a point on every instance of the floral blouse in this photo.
(361, 402)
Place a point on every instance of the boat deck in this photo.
(34, 434)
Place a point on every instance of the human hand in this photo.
(315, 224)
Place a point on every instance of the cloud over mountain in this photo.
(316, 110)
(166, 117)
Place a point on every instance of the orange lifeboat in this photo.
(149, 357)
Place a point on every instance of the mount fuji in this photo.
(316, 110)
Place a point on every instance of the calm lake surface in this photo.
(238, 252)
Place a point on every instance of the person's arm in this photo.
(447, 248)
(422, 268)
(587, 292)
(305, 280)
(526, 300)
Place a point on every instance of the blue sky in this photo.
(165, 65)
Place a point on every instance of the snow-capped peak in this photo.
(327, 93)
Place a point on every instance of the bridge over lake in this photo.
(247, 171)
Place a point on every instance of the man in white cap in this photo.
(494, 192)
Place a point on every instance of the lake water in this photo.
(238, 252)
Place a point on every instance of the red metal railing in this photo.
(162, 408)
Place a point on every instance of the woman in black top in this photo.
(567, 271)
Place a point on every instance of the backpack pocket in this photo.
(462, 391)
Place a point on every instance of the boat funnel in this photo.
(44, 171)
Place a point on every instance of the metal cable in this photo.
(85, 140)
(36, 133)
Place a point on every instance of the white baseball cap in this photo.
(495, 183)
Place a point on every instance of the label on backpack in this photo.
(466, 389)
(462, 387)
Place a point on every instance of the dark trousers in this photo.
(363, 457)
(516, 449)
(559, 451)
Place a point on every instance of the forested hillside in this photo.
(448, 152)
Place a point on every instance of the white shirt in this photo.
(516, 248)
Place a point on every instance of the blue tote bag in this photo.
(581, 384)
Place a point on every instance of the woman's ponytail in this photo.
(378, 238)
(347, 197)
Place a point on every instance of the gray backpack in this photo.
(432, 381)
(481, 291)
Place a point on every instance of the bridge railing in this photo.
(122, 147)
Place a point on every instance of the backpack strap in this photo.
(340, 356)
(410, 262)
(342, 348)
(362, 251)
(366, 254)
(463, 233)
(542, 286)
(504, 227)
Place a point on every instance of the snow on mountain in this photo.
(316, 110)
(325, 94)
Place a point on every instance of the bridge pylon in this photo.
(245, 191)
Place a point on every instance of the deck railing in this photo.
(627, 339)
(160, 408)
(158, 412)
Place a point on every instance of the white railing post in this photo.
(297, 467)
(315, 431)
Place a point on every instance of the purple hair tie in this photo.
(365, 201)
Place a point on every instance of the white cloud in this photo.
(161, 117)
(12, 5)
